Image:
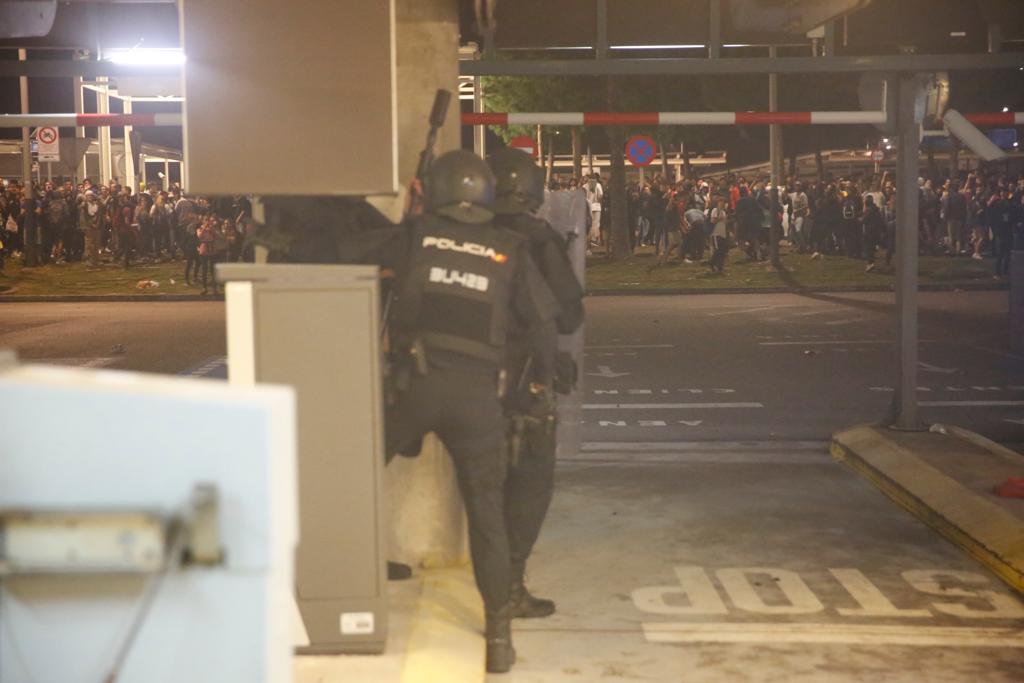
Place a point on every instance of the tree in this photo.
(542, 93)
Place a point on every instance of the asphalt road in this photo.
(796, 367)
(657, 368)
(704, 533)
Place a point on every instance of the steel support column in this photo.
(76, 85)
(714, 29)
(774, 130)
(909, 119)
(103, 107)
(602, 29)
(129, 153)
(29, 237)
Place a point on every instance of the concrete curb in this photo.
(105, 298)
(988, 532)
(121, 298)
(794, 290)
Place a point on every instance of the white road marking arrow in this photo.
(935, 368)
(606, 372)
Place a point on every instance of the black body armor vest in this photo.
(455, 293)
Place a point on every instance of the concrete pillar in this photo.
(427, 524)
(774, 130)
(129, 153)
(76, 85)
(29, 236)
(103, 107)
(909, 117)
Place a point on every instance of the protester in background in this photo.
(89, 224)
(1001, 222)
(208, 243)
(189, 244)
(719, 236)
(873, 229)
(595, 195)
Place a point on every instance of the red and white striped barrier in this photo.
(727, 118)
(598, 118)
(71, 120)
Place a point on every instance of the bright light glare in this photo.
(147, 56)
(888, 146)
(1006, 109)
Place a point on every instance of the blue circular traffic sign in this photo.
(641, 150)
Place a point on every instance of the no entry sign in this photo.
(641, 150)
(525, 143)
(48, 144)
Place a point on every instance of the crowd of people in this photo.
(975, 215)
(109, 224)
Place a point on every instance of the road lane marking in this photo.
(966, 404)
(1014, 420)
(635, 392)
(811, 342)
(740, 584)
(632, 346)
(208, 368)
(928, 367)
(606, 372)
(846, 321)
(94, 363)
(744, 310)
(597, 446)
(672, 406)
(872, 602)
(850, 634)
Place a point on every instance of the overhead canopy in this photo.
(875, 27)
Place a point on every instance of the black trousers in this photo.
(720, 245)
(462, 408)
(529, 489)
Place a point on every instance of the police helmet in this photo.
(460, 185)
(520, 181)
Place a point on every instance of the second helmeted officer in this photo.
(529, 402)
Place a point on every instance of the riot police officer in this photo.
(529, 404)
(461, 285)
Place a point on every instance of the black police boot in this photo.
(526, 606)
(500, 653)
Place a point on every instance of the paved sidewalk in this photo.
(435, 635)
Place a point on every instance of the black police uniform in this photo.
(460, 288)
(530, 483)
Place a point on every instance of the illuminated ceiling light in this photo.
(147, 56)
(694, 46)
(958, 34)
(888, 146)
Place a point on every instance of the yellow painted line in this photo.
(984, 530)
(851, 634)
(446, 643)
